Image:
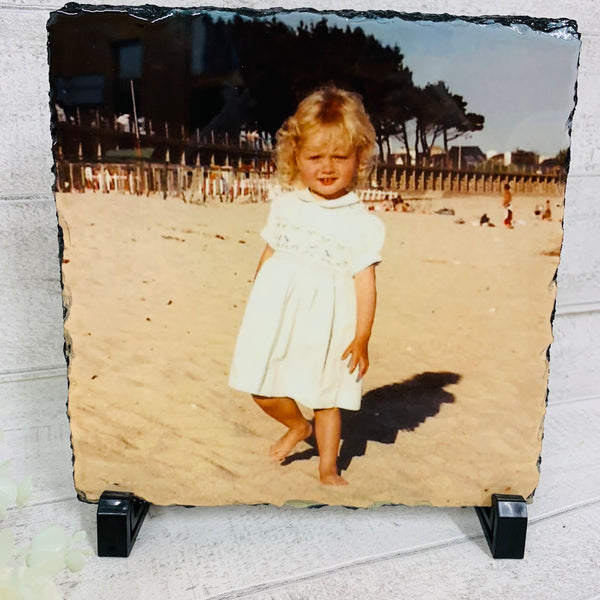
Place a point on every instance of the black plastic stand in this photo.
(119, 518)
(504, 525)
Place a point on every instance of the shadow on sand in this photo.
(384, 412)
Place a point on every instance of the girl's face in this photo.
(327, 162)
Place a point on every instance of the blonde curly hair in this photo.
(329, 107)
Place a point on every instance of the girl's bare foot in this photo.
(332, 479)
(284, 445)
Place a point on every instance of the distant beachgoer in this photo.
(388, 205)
(89, 177)
(107, 180)
(507, 203)
(538, 210)
(547, 216)
(305, 333)
(99, 181)
(131, 182)
(124, 123)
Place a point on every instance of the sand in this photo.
(158, 288)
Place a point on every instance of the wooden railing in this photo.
(432, 179)
(234, 178)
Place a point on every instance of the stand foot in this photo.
(118, 520)
(504, 525)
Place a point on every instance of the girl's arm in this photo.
(267, 253)
(366, 297)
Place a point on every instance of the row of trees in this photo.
(279, 65)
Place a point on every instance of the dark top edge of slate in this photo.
(151, 12)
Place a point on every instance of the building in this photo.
(466, 157)
(166, 78)
(524, 161)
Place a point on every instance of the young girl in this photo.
(305, 333)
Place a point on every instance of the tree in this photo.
(278, 66)
(285, 65)
(563, 158)
(442, 113)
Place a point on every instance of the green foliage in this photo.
(26, 573)
(441, 113)
(279, 66)
(563, 158)
(12, 492)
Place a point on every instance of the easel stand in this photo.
(119, 518)
(504, 525)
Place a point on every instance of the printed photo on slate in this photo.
(308, 256)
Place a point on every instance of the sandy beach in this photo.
(454, 398)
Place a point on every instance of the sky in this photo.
(521, 80)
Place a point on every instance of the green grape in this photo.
(78, 537)
(26, 573)
(53, 539)
(49, 562)
(75, 560)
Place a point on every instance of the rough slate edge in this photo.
(150, 11)
(562, 27)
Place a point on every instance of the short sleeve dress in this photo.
(301, 312)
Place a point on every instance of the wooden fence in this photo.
(192, 184)
(432, 179)
(91, 138)
(228, 183)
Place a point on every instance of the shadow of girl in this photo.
(384, 412)
(392, 408)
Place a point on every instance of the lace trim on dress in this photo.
(346, 200)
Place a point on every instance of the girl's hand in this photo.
(358, 350)
(366, 294)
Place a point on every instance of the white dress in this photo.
(301, 313)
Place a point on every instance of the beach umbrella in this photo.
(79, 152)
(167, 156)
(198, 159)
(99, 152)
(183, 158)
